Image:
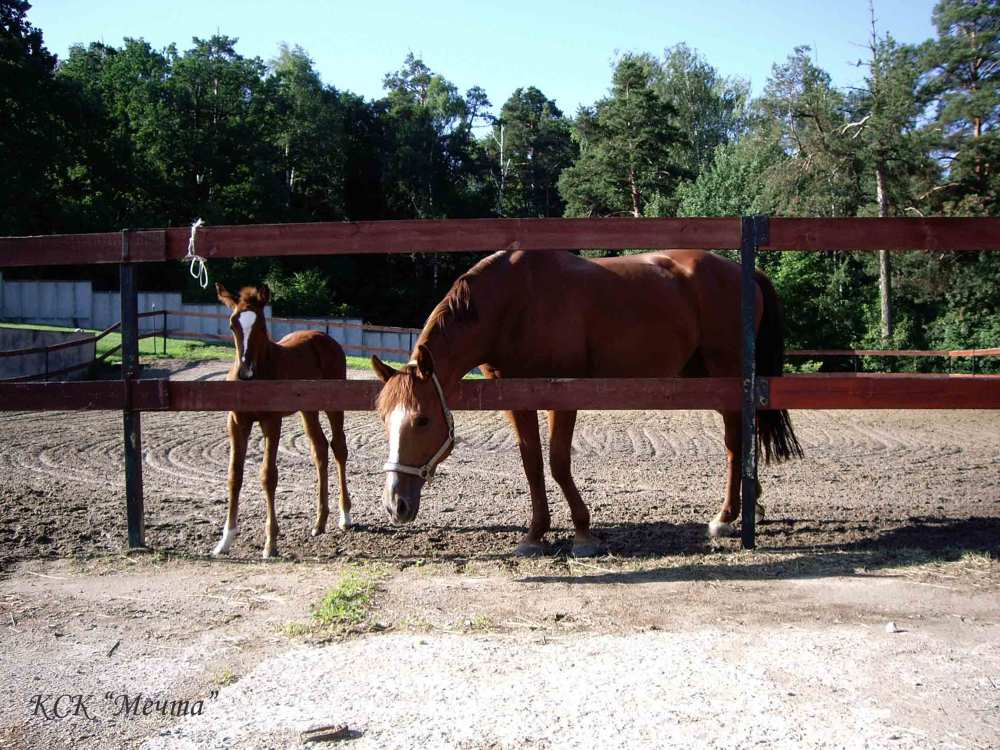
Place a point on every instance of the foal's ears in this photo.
(381, 369)
(425, 362)
(224, 296)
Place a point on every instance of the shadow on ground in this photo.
(920, 542)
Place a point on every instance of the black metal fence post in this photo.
(132, 417)
(753, 232)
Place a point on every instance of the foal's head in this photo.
(248, 325)
(420, 430)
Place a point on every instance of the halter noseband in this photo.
(426, 472)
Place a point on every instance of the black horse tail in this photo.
(774, 427)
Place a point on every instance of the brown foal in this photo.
(303, 355)
(553, 314)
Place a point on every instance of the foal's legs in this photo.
(239, 436)
(321, 459)
(561, 424)
(271, 427)
(723, 523)
(526, 425)
(339, 444)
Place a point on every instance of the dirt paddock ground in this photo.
(671, 640)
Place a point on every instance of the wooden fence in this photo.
(748, 392)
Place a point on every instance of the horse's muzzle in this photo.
(401, 496)
(245, 372)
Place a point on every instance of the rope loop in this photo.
(198, 269)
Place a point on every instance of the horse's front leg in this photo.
(561, 424)
(724, 523)
(271, 426)
(339, 444)
(530, 445)
(239, 436)
(321, 459)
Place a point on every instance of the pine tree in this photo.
(628, 147)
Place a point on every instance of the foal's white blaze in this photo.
(228, 537)
(396, 420)
(247, 318)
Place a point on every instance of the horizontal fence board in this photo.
(458, 235)
(833, 391)
(80, 249)
(328, 238)
(489, 235)
(475, 395)
(869, 353)
(63, 395)
(936, 233)
(885, 391)
(994, 352)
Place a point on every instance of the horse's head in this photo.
(248, 325)
(420, 431)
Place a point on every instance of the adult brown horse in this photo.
(302, 355)
(554, 314)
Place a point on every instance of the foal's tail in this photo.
(774, 427)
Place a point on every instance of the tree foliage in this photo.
(128, 135)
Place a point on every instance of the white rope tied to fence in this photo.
(198, 269)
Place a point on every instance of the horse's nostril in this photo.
(401, 508)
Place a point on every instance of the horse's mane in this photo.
(458, 305)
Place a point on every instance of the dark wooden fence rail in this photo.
(750, 393)
(833, 391)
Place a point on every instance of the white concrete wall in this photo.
(37, 364)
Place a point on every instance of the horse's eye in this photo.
(422, 421)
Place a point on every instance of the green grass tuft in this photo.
(348, 602)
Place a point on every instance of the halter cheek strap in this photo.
(426, 472)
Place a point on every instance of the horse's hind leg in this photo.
(271, 427)
(561, 424)
(321, 459)
(526, 425)
(339, 444)
(239, 436)
(724, 522)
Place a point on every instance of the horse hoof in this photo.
(345, 522)
(317, 530)
(720, 529)
(531, 549)
(270, 554)
(220, 550)
(590, 548)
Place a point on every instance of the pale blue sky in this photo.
(564, 48)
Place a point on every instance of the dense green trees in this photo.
(128, 135)
(528, 148)
(629, 147)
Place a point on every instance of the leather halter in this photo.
(426, 472)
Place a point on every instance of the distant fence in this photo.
(76, 304)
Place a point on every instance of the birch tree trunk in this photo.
(884, 268)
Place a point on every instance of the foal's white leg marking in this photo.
(247, 319)
(719, 528)
(345, 520)
(228, 537)
(396, 420)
